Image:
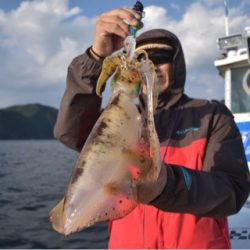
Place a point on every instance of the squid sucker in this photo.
(120, 153)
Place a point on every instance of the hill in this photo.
(31, 121)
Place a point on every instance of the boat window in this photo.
(240, 90)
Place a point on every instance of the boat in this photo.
(234, 66)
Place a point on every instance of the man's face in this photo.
(163, 67)
(163, 73)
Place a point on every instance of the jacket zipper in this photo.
(143, 226)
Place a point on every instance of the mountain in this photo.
(31, 121)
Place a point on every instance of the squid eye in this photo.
(141, 57)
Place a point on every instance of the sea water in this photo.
(33, 177)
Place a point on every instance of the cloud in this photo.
(198, 30)
(37, 42)
(39, 39)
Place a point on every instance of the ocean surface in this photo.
(33, 178)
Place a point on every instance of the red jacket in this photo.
(149, 227)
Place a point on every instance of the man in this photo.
(205, 175)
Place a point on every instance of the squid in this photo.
(121, 151)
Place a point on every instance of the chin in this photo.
(162, 88)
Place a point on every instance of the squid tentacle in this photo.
(110, 64)
(152, 95)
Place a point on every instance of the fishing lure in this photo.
(120, 152)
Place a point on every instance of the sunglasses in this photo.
(160, 56)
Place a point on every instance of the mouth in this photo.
(159, 77)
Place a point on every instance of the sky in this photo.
(39, 39)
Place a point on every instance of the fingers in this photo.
(112, 25)
(111, 29)
(117, 21)
(129, 15)
(148, 191)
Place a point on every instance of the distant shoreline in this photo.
(27, 122)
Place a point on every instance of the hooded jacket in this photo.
(207, 172)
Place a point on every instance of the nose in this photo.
(157, 69)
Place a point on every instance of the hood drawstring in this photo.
(174, 118)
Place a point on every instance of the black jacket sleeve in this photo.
(224, 185)
(80, 106)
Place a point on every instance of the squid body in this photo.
(120, 152)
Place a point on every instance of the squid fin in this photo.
(56, 217)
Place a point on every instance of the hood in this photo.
(174, 92)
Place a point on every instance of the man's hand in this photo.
(148, 191)
(112, 28)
